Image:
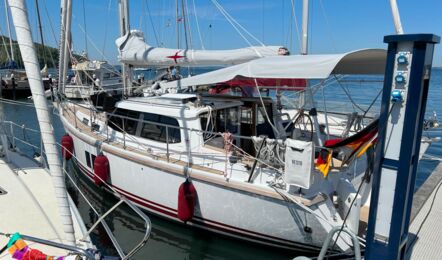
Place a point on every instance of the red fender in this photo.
(67, 146)
(186, 201)
(101, 169)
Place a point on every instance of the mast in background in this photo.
(30, 61)
(61, 79)
(304, 51)
(304, 46)
(396, 17)
(41, 32)
(67, 42)
(124, 30)
(9, 30)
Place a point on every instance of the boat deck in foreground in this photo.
(29, 205)
(425, 228)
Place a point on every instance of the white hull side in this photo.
(219, 208)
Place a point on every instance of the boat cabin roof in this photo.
(176, 105)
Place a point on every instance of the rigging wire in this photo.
(41, 32)
(50, 22)
(310, 27)
(90, 40)
(187, 21)
(54, 63)
(198, 25)
(295, 18)
(349, 96)
(327, 23)
(184, 20)
(235, 24)
(85, 29)
(151, 22)
(105, 28)
(177, 25)
(4, 44)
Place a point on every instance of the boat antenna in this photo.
(30, 61)
(396, 17)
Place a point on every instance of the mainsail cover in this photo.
(133, 50)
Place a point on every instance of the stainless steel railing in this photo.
(10, 130)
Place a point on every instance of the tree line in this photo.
(45, 54)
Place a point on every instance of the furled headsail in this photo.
(133, 50)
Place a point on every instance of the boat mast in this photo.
(396, 17)
(61, 79)
(304, 51)
(9, 30)
(125, 29)
(30, 61)
(304, 46)
(41, 31)
(67, 42)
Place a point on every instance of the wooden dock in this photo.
(426, 219)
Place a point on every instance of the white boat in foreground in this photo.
(29, 207)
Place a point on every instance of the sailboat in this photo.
(37, 211)
(239, 166)
(15, 84)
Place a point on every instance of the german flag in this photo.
(358, 143)
(323, 161)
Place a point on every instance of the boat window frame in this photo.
(123, 116)
(172, 129)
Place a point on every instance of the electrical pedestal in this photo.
(404, 99)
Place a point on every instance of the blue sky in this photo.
(335, 25)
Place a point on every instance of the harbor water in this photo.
(170, 240)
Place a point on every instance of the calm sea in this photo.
(175, 241)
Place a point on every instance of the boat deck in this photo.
(425, 228)
(29, 205)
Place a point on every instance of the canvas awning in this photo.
(367, 61)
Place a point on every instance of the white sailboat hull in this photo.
(221, 209)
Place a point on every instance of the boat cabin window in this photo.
(124, 119)
(151, 130)
(263, 126)
(110, 75)
(219, 121)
